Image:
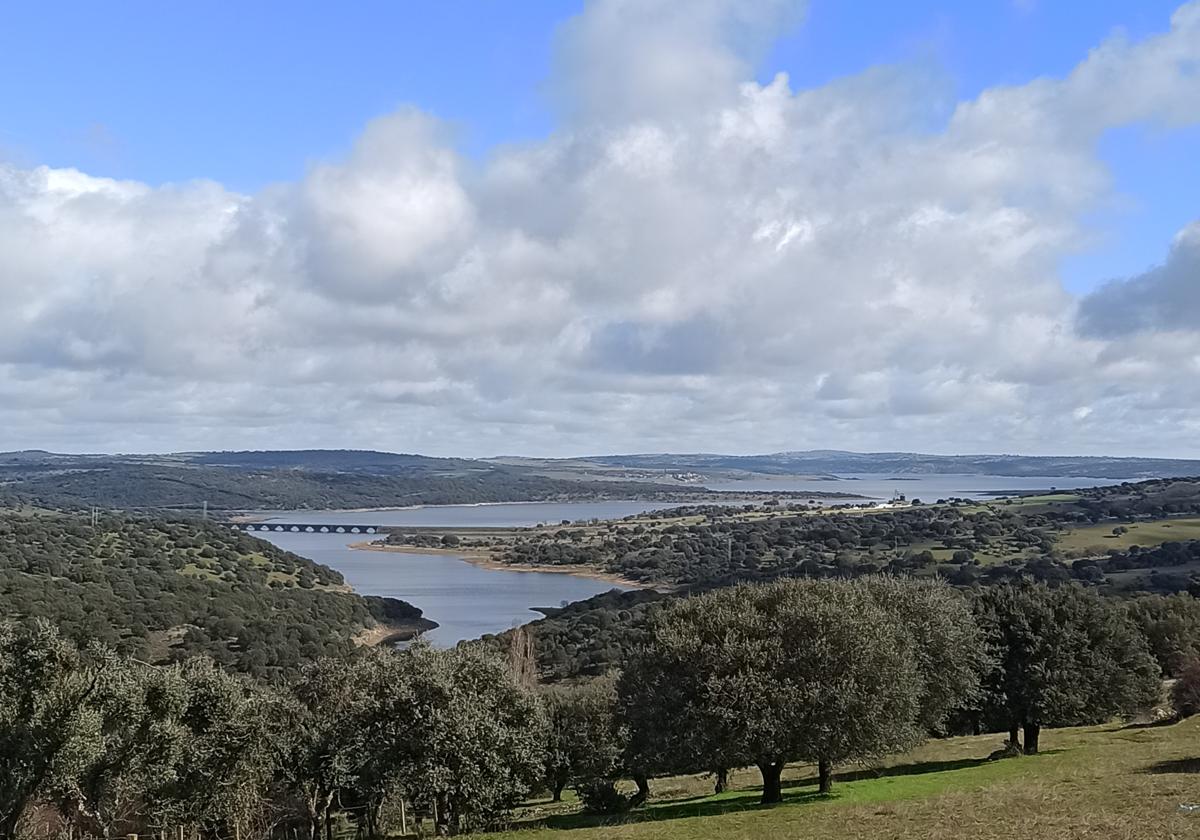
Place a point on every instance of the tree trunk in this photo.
(1032, 731)
(8, 824)
(1014, 734)
(556, 790)
(772, 791)
(643, 790)
(824, 776)
(722, 780)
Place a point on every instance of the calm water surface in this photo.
(927, 488)
(465, 600)
(468, 601)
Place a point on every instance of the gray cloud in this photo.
(1166, 297)
(693, 260)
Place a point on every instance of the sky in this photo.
(556, 228)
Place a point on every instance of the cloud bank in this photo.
(693, 260)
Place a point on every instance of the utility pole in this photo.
(94, 516)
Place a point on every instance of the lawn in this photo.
(1105, 782)
(1145, 534)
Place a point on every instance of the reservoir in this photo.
(465, 600)
(468, 601)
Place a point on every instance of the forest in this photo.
(136, 486)
(159, 591)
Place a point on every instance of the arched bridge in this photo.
(306, 527)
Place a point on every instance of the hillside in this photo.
(707, 545)
(821, 462)
(163, 590)
(312, 479)
(287, 480)
(1100, 783)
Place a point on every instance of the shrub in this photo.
(1185, 694)
(600, 796)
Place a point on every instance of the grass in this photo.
(1145, 534)
(1102, 782)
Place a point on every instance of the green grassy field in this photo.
(1105, 782)
(1145, 534)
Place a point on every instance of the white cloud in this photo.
(694, 260)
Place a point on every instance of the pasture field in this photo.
(1112, 782)
(1145, 534)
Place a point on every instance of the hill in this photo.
(287, 480)
(162, 591)
(820, 462)
(1100, 782)
(323, 478)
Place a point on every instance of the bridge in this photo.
(306, 528)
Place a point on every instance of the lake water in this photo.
(515, 515)
(465, 600)
(468, 601)
(927, 488)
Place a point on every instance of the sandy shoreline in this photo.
(721, 496)
(382, 634)
(484, 560)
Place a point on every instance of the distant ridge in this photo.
(838, 462)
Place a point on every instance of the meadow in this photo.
(1116, 782)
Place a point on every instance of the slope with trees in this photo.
(162, 590)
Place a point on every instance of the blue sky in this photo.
(250, 93)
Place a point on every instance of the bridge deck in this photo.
(307, 527)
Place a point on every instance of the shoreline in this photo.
(484, 560)
(384, 633)
(721, 496)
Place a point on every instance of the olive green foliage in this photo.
(117, 746)
(277, 484)
(592, 637)
(163, 590)
(45, 686)
(457, 730)
(763, 675)
(1063, 656)
(320, 751)
(1185, 693)
(584, 741)
(131, 742)
(226, 765)
(448, 730)
(950, 654)
(714, 545)
(1171, 625)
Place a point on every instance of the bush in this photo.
(1185, 694)
(600, 796)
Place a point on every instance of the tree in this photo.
(319, 742)
(130, 749)
(220, 782)
(763, 675)
(1185, 693)
(462, 736)
(949, 648)
(45, 685)
(583, 744)
(1063, 657)
(1171, 625)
